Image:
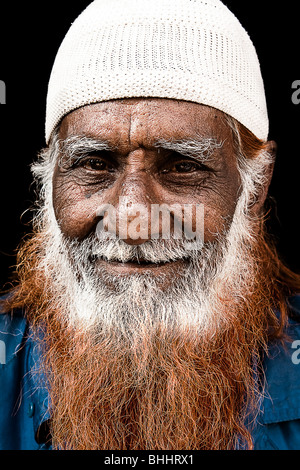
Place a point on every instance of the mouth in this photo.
(137, 265)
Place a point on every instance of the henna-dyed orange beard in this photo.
(152, 379)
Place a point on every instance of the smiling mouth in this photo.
(140, 264)
(137, 264)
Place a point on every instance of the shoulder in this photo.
(280, 418)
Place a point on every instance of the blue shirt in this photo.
(24, 402)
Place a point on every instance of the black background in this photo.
(30, 36)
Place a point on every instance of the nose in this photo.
(132, 199)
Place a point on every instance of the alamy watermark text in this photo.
(2, 352)
(296, 92)
(2, 92)
(137, 221)
(296, 354)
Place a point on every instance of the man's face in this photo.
(142, 162)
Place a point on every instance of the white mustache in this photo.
(152, 251)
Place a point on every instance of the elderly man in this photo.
(151, 310)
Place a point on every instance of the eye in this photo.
(184, 167)
(97, 164)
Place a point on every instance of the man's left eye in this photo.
(185, 167)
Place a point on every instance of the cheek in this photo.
(207, 220)
(216, 222)
(219, 207)
(74, 209)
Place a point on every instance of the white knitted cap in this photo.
(192, 50)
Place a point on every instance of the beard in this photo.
(131, 366)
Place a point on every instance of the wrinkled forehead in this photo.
(144, 121)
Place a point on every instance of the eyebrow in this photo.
(76, 147)
(200, 149)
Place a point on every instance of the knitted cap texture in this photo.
(192, 50)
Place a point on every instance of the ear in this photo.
(271, 149)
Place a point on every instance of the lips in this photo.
(135, 264)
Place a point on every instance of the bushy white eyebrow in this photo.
(199, 149)
(75, 147)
